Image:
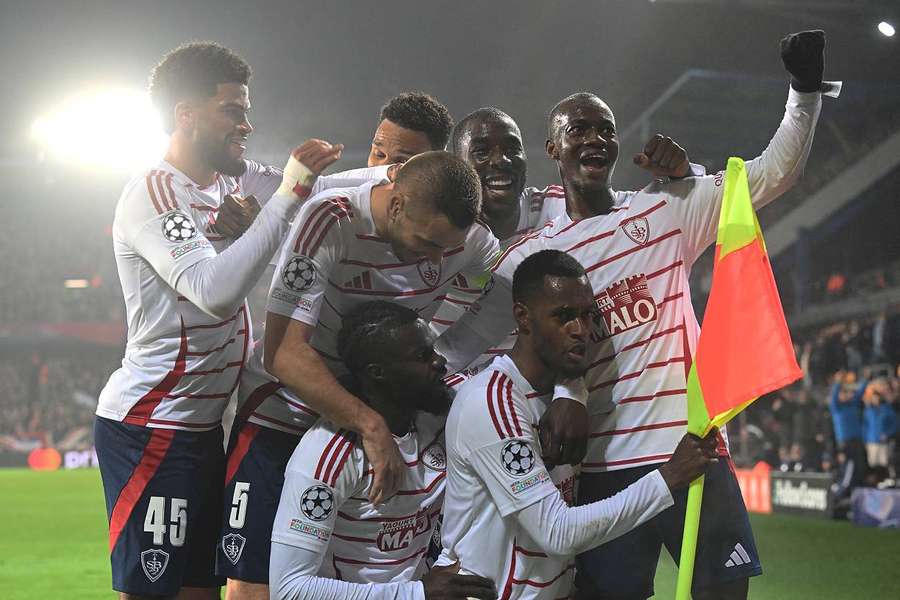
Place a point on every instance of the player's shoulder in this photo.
(479, 234)
(257, 169)
(324, 451)
(487, 405)
(157, 189)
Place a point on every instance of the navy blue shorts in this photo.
(163, 491)
(257, 457)
(726, 550)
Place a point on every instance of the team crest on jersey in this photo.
(435, 458)
(178, 227)
(637, 229)
(233, 546)
(429, 272)
(397, 535)
(317, 502)
(299, 274)
(154, 563)
(517, 458)
(626, 304)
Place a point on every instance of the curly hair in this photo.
(421, 112)
(366, 329)
(192, 71)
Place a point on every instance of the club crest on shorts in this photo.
(178, 227)
(299, 274)
(637, 229)
(429, 272)
(154, 563)
(435, 458)
(517, 457)
(317, 502)
(233, 546)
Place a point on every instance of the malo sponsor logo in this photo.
(626, 304)
(397, 535)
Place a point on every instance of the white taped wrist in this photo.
(297, 180)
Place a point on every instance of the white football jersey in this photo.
(180, 364)
(638, 259)
(324, 505)
(332, 261)
(537, 207)
(493, 471)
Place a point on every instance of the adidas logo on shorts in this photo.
(739, 557)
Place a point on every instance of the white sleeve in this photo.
(311, 252)
(351, 178)
(260, 181)
(487, 323)
(292, 576)
(566, 530)
(176, 249)
(696, 200)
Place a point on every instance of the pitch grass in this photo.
(53, 545)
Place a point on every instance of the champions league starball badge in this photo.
(178, 227)
(317, 502)
(517, 458)
(299, 274)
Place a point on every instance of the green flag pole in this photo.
(689, 540)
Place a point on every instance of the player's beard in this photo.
(215, 154)
(436, 399)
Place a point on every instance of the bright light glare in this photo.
(886, 28)
(114, 128)
(76, 284)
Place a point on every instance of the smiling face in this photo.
(584, 142)
(492, 145)
(393, 144)
(221, 128)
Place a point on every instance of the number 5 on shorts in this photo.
(155, 522)
(239, 504)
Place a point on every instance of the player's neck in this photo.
(532, 367)
(586, 202)
(182, 156)
(502, 226)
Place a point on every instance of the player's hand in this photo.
(564, 431)
(235, 215)
(803, 55)
(444, 583)
(388, 466)
(663, 157)
(317, 155)
(691, 458)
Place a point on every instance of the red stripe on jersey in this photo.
(661, 394)
(346, 517)
(441, 321)
(675, 264)
(655, 365)
(310, 247)
(350, 538)
(565, 229)
(591, 239)
(335, 462)
(452, 301)
(501, 405)
(298, 430)
(257, 397)
(142, 410)
(490, 403)
(214, 325)
(309, 220)
(512, 409)
(163, 195)
(533, 553)
(371, 238)
(670, 298)
(453, 251)
(170, 190)
(219, 396)
(625, 253)
(227, 366)
(507, 589)
(324, 456)
(377, 266)
(216, 349)
(424, 490)
(512, 247)
(386, 293)
(152, 456)
(398, 561)
(634, 345)
(241, 447)
(152, 193)
(629, 461)
(542, 584)
(348, 447)
(649, 427)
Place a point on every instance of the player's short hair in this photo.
(555, 114)
(452, 185)
(487, 113)
(420, 112)
(192, 71)
(528, 280)
(366, 329)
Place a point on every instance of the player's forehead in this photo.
(586, 109)
(491, 129)
(574, 292)
(410, 339)
(389, 134)
(232, 94)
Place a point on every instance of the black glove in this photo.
(803, 55)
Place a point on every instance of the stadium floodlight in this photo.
(76, 284)
(886, 29)
(112, 128)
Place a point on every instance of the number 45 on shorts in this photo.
(158, 520)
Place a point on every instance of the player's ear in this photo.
(520, 312)
(552, 152)
(185, 115)
(398, 200)
(375, 372)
